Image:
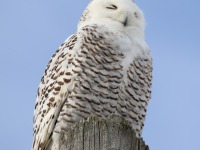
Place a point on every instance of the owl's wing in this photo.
(53, 91)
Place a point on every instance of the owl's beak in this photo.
(125, 21)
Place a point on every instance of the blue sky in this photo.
(31, 31)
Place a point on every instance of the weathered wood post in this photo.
(112, 133)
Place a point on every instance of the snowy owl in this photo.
(104, 68)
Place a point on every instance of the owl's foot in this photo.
(56, 141)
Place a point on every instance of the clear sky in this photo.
(31, 31)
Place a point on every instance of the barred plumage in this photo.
(100, 70)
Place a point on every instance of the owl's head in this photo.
(119, 14)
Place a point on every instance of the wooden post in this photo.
(112, 133)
